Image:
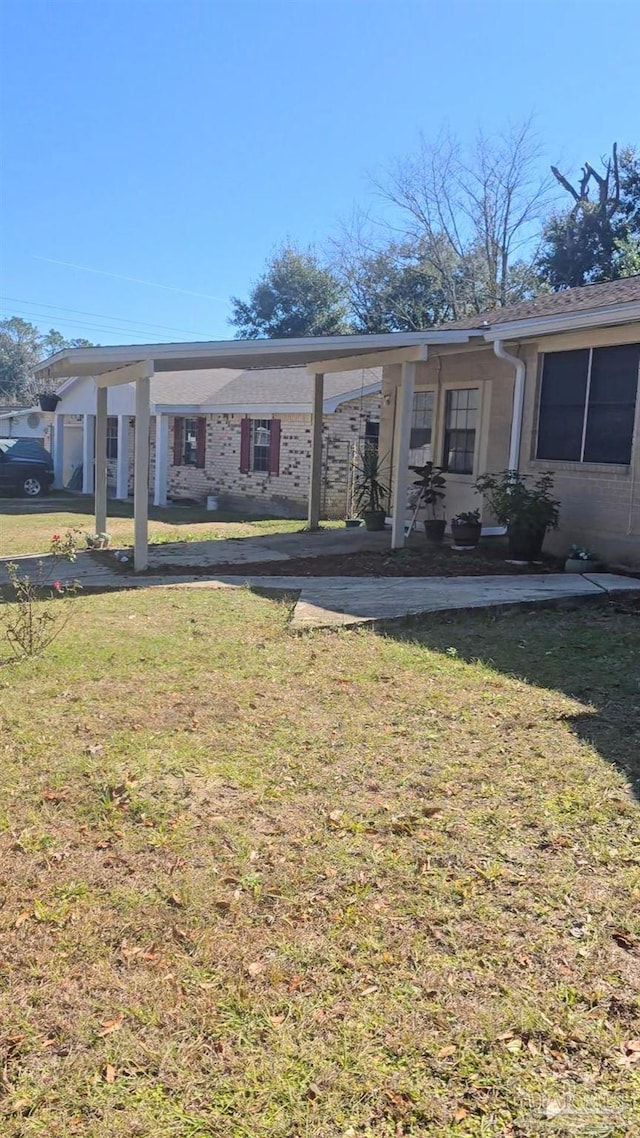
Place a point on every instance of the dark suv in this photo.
(25, 467)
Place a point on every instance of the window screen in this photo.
(612, 403)
(587, 404)
(112, 437)
(564, 388)
(189, 442)
(421, 420)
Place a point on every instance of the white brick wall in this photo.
(284, 494)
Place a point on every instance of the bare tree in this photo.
(475, 214)
(608, 187)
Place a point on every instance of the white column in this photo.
(101, 460)
(315, 481)
(58, 451)
(122, 461)
(88, 452)
(404, 409)
(141, 474)
(162, 460)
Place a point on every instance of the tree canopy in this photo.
(598, 237)
(22, 346)
(295, 296)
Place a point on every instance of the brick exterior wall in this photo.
(599, 503)
(284, 494)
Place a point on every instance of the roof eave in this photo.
(564, 322)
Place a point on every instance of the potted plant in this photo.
(580, 560)
(430, 491)
(97, 540)
(48, 400)
(525, 505)
(370, 492)
(466, 529)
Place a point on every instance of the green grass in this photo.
(347, 884)
(29, 530)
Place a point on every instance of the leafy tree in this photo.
(598, 238)
(295, 296)
(22, 346)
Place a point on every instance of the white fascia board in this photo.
(564, 322)
(21, 413)
(336, 401)
(413, 352)
(238, 353)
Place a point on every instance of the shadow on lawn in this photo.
(173, 515)
(591, 654)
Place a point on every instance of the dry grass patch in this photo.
(341, 884)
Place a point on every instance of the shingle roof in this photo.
(570, 300)
(279, 387)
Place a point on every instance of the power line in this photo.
(121, 277)
(103, 316)
(100, 328)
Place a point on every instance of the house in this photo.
(550, 384)
(241, 436)
(24, 423)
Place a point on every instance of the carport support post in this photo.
(88, 452)
(162, 460)
(58, 451)
(400, 478)
(101, 460)
(141, 473)
(122, 461)
(315, 483)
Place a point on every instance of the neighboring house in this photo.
(24, 423)
(577, 356)
(243, 436)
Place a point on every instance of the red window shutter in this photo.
(201, 441)
(274, 447)
(178, 441)
(245, 445)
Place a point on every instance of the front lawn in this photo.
(28, 528)
(264, 886)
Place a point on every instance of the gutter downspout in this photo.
(518, 402)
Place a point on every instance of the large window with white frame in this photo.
(588, 405)
(460, 425)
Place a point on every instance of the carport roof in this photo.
(245, 354)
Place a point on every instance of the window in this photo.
(587, 404)
(260, 442)
(260, 446)
(460, 419)
(112, 437)
(422, 421)
(189, 441)
(371, 434)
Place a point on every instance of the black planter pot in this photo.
(525, 544)
(48, 402)
(434, 529)
(374, 519)
(466, 533)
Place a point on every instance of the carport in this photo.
(137, 363)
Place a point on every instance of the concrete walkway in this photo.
(329, 602)
(336, 601)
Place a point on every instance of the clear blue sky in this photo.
(178, 141)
